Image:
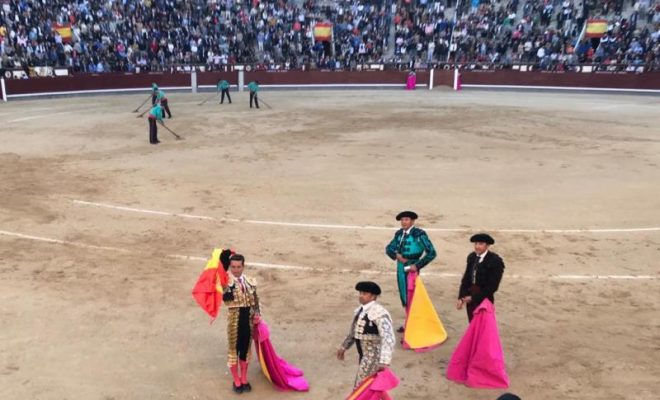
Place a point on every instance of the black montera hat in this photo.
(406, 214)
(483, 238)
(508, 396)
(369, 287)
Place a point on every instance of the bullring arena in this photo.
(103, 236)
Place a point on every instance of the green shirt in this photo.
(253, 86)
(160, 95)
(156, 112)
(223, 84)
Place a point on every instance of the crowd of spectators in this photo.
(123, 35)
(362, 29)
(423, 31)
(549, 34)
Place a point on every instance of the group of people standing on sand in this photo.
(160, 105)
(372, 329)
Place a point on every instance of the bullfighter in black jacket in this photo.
(483, 274)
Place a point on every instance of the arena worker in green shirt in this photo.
(162, 100)
(154, 93)
(223, 86)
(156, 114)
(254, 88)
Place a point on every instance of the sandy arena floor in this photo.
(104, 311)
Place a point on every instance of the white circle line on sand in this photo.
(29, 110)
(64, 242)
(39, 116)
(357, 227)
(325, 270)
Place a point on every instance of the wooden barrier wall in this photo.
(129, 82)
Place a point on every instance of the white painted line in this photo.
(325, 270)
(589, 277)
(286, 267)
(120, 250)
(358, 227)
(574, 277)
(567, 88)
(65, 242)
(31, 109)
(255, 264)
(586, 230)
(39, 116)
(184, 257)
(312, 225)
(153, 212)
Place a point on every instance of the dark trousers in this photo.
(166, 108)
(244, 334)
(470, 311)
(153, 99)
(472, 306)
(153, 131)
(358, 344)
(222, 98)
(253, 96)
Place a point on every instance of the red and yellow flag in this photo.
(596, 28)
(64, 31)
(208, 289)
(323, 31)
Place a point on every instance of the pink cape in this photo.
(376, 386)
(478, 360)
(281, 374)
(411, 82)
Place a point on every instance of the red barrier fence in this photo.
(120, 82)
(347, 78)
(598, 80)
(94, 83)
(212, 78)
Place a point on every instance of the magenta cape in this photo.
(411, 82)
(281, 374)
(376, 386)
(478, 360)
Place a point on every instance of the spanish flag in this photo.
(596, 28)
(208, 289)
(64, 31)
(323, 32)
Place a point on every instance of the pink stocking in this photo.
(244, 370)
(234, 374)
